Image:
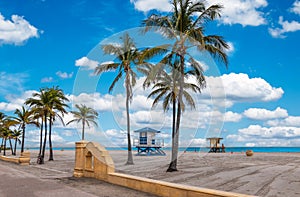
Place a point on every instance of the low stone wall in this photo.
(24, 159)
(93, 160)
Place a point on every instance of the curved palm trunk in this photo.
(23, 138)
(175, 143)
(50, 140)
(130, 158)
(83, 125)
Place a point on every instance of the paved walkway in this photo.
(40, 180)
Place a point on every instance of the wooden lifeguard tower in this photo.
(147, 143)
(214, 145)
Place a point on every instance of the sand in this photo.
(263, 174)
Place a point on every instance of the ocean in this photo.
(204, 149)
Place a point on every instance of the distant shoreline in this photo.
(203, 149)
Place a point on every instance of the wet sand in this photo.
(263, 174)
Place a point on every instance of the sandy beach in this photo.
(263, 174)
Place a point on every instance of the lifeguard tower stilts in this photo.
(147, 143)
(214, 145)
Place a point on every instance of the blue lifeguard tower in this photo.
(147, 143)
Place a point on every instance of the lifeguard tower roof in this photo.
(147, 129)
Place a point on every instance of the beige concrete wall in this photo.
(24, 159)
(93, 160)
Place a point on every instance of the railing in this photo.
(157, 142)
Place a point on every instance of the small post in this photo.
(79, 158)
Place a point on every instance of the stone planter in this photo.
(249, 153)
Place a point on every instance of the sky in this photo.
(253, 102)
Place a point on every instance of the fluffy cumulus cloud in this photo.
(86, 63)
(286, 27)
(64, 75)
(16, 31)
(257, 135)
(244, 12)
(240, 88)
(296, 7)
(264, 114)
(292, 121)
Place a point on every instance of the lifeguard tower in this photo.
(214, 145)
(147, 143)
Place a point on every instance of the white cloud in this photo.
(232, 117)
(147, 5)
(296, 7)
(240, 88)
(256, 135)
(264, 114)
(271, 132)
(16, 31)
(244, 12)
(231, 48)
(87, 63)
(47, 79)
(14, 102)
(64, 75)
(96, 101)
(293, 121)
(286, 27)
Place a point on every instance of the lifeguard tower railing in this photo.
(142, 141)
(149, 147)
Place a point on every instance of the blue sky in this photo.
(252, 103)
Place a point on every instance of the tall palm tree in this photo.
(185, 24)
(85, 115)
(127, 55)
(58, 106)
(7, 132)
(24, 117)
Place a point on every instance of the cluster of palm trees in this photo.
(185, 25)
(42, 110)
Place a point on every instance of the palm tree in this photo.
(7, 132)
(127, 55)
(16, 136)
(24, 117)
(46, 105)
(186, 26)
(58, 106)
(85, 115)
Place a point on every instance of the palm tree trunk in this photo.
(4, 150)
(15, 149)
(130, 158)
(173, 165)
(23, 138)
(11, 147)
(1, 144)
(50, 140)
(82, 134)
(45, 140)
(41, 137)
